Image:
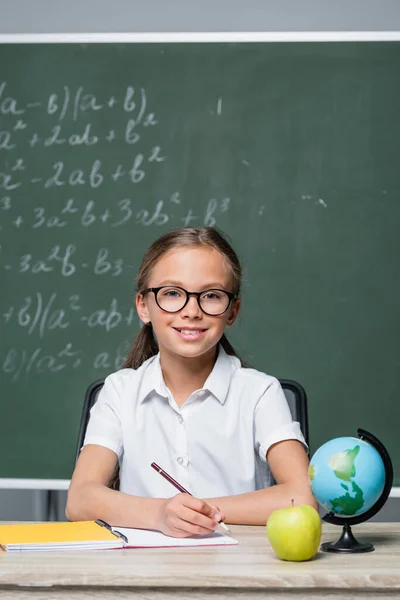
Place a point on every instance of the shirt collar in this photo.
(152, 380)
(217, 383)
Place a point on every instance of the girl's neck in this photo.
(183, 376)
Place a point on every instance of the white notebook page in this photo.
(144, 538)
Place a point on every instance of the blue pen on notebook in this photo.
(179, 487)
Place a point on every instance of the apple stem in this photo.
(292, 502)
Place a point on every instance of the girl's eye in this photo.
(172, 293)
(212, 296)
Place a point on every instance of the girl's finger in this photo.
(218, 516)
(192, 529)
(196, 519)
(178, 533)
(202, 507)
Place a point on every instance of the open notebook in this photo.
(95, 535)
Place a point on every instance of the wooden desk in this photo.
(247, 571)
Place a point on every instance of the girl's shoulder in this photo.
(249, 386)
(253, 377)
(126, 378)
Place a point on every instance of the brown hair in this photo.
(145, 345)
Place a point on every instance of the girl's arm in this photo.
(288, 462)
(89, 498)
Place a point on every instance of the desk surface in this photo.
(249, 570)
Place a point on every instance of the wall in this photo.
(47, 16)
(25, 16)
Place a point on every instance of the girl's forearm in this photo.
(90, 501)
(254, 508)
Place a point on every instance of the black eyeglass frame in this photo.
(155, 291)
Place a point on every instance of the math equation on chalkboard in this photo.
(87, 181)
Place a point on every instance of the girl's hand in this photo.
(184, 515)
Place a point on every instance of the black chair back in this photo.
(90, 398)
(297, 400)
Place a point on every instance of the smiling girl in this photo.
(184, 401)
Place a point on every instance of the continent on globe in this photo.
(343, 465)
(346, 504)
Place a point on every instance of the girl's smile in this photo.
(190, 334)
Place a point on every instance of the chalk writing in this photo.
(76, 102)
(82, 172)
(8, 104)
(41, 313)
(5, 141)
(63, 260)
(121, 212)
(20, 362)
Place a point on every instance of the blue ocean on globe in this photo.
(347, 476)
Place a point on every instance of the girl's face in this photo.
(188, 333)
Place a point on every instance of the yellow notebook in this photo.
(95, 535)
(85, 535)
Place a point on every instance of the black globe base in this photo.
(347, 543)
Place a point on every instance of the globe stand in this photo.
(347, 543)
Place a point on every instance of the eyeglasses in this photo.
(172, 299)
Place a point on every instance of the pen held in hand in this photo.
(179, 487)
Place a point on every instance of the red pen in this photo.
(179, 487)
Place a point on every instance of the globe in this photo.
(347, 476)
(351, 477)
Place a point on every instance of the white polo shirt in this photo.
(214, 445)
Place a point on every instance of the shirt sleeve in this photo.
(104, 427)
(273, 420)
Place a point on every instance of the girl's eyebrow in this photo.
(208, 286)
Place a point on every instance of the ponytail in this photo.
(227, 346)
(229, 349)
(144, 347)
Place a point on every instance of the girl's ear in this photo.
(142, 309)
(233, 313)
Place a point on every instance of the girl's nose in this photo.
(192, 308)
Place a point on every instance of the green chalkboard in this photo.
(292, 149)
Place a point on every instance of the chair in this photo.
(294, 392)
(297, 400)
(90, 398)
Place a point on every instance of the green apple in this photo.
(294, 532)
